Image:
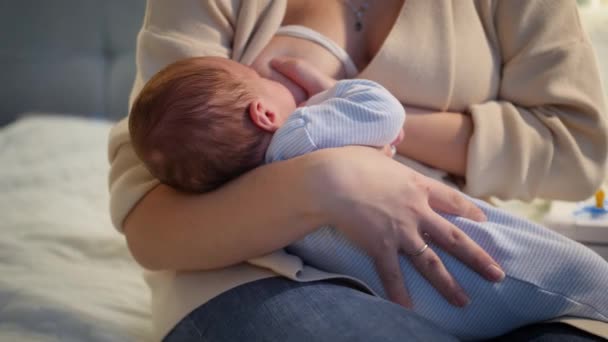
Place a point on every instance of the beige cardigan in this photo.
(532, 90)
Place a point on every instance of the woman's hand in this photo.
(387, 213)
(263, 67)
(302, 73)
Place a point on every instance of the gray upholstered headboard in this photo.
(67, 56)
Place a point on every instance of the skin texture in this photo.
(439, 139)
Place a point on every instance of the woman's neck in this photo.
(336, 20)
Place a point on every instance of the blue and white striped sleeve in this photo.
(354, 112)
(291, 140)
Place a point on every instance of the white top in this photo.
(304, 32)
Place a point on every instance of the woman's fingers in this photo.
(455, 242)
(387, 266)
(296, 71)
(392, 213)
(428, 263)
(452, 239)
(450, 201)
(302, 73)
(265, 70)
(300, 94)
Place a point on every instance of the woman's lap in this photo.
(536, 287)
(278, 309)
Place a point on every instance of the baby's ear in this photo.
(262, 116)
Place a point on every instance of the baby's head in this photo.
(203, 121)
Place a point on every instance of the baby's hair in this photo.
(190, 126)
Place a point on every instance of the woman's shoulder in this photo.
(227, 11)
(238, 9)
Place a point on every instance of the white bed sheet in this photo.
(65, 273)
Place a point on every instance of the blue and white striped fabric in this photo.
(353, 112)
(547, 275)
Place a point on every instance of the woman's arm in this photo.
(262, 211)
(439, 139)
(379, 204)
(546, 134)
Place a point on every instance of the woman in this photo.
(512, 95)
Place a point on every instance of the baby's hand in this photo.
(387, 150)
(390, 150)
(303, 74)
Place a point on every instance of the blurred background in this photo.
(67, 56)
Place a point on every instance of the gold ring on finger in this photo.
(423, 248)
(420, 251)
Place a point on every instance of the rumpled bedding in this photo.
(65, 273)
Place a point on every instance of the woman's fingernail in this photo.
(495, 273)
(461, 299)
(481, 216)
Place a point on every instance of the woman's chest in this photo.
(435, 54)
(358, 26)
(442, 55)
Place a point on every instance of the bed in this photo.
(66, 274)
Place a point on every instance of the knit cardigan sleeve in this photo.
(546, 134)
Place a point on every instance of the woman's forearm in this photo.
(264, 210)
(438, 139)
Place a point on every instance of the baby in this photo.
(204, 121)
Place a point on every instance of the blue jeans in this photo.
(278, 309)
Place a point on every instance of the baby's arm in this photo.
(353, 112)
